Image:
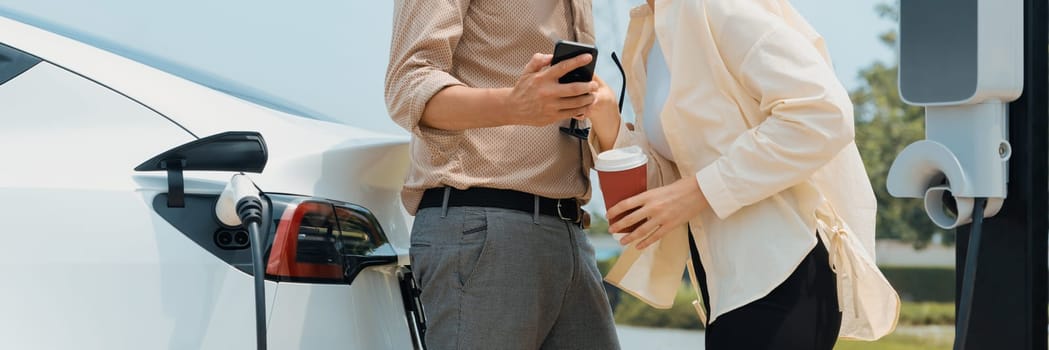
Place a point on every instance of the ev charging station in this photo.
(979, 67)
(963, 61)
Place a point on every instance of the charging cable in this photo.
(965, 305)
(241, 204)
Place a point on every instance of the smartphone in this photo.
(567, 49)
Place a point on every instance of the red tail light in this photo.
(304, 246)
(323, 241)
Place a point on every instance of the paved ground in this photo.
(637, 338)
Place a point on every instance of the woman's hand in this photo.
(658, 211)
(604, 116)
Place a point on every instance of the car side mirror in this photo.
(243, 151)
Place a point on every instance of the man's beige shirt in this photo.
(482, 44)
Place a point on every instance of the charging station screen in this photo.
(938, 50)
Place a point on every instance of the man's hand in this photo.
(538, 99)
(661, 210)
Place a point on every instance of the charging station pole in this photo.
(1009, 303)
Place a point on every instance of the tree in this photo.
(598, 224)
(884, 126)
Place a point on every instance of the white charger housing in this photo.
(963, 61)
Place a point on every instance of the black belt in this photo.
(565, 209)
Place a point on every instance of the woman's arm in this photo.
(604, 118)
(809, 121)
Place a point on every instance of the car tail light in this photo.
(323, 241)
(304, 244)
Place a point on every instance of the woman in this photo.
(750, 141)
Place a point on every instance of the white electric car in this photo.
(97, 255)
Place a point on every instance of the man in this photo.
(497, 246)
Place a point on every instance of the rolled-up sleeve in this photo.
(809, 120)
(425, 35)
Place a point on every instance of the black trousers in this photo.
(801, 313)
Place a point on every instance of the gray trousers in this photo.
(498, 279)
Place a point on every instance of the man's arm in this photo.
(537, 99)
(421, 93)
(425, 34)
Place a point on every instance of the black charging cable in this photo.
(249, 209)
(965, 304)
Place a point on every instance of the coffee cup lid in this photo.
(621, 159)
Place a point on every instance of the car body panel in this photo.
(51, 116)
(88, 263)
(296, 144)
(91, 265)
(354, 317)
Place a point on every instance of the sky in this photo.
(851, 29)
(327, 58)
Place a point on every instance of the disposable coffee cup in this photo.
(623, 173)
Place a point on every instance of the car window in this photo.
(14, 62)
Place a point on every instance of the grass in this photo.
(896, 342)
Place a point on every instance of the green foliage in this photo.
(934, 287)
(598, 224)
(884, 126)
(896, 342)
(923, 314)
(928, 294)
(922, 283)
(632, 311)
(606, 265)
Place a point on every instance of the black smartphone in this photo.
(567, 49)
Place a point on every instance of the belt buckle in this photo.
(562, 216)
